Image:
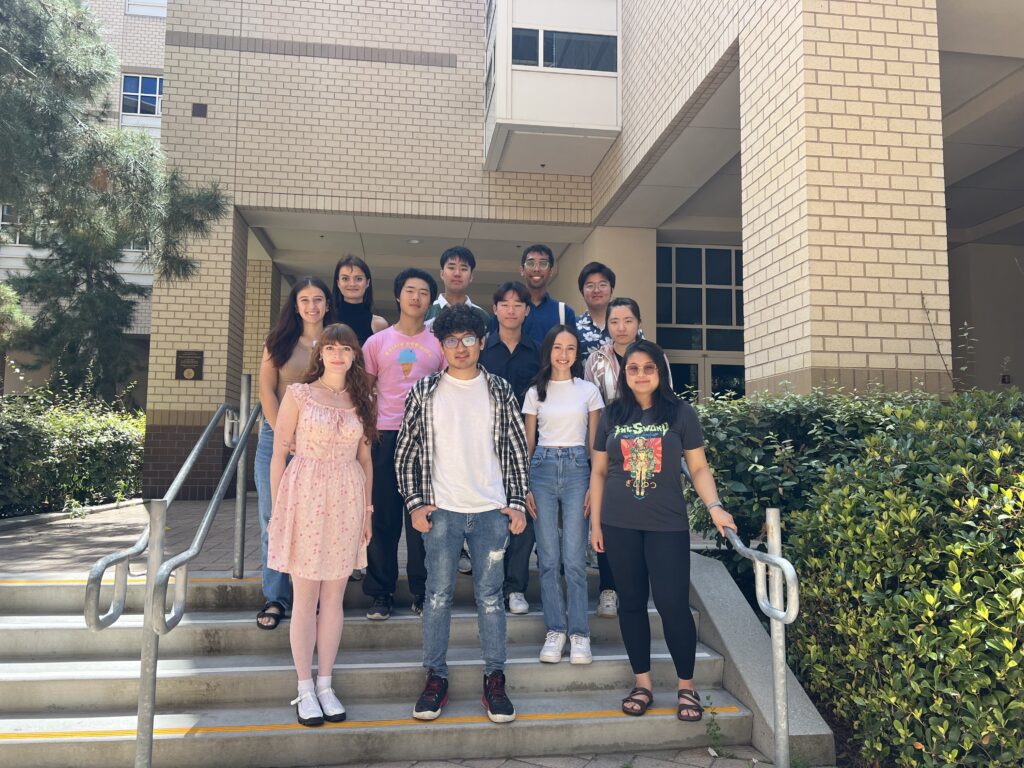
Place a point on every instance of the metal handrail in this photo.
(165, 623)
(770, 600)
(122, 559)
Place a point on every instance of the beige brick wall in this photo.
(329, 134)
(843, 194)
(137, 40)
(259, 316)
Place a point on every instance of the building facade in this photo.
(799, 193)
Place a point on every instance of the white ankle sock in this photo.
(323, 683)
(305, 686)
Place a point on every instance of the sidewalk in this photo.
(739, 757)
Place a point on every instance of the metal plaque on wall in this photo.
(188, 365)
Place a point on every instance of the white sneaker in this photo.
(334, 710)
(307, 708)
(553, 645)
(517, 603)
(608, 604)
(579, 650)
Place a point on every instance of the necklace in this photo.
(339, 392)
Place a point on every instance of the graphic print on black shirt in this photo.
(641, 446)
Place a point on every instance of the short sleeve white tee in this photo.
(466, 471)
(563, 416)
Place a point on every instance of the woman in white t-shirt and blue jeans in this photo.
(561, 412)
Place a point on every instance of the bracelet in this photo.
(715, 503)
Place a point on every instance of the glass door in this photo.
(698, 376)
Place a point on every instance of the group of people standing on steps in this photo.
(480, 435)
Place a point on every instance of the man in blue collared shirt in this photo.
(537, 267)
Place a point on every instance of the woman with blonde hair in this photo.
(322, 512)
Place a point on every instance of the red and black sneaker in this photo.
(434, 696)
(499, 708)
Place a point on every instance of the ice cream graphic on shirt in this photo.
(407, 358)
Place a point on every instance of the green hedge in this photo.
(903, 516)
(60, 452)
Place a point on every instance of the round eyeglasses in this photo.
(451, 342)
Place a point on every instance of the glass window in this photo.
(719, 266)
(664, 265)
(684, 378)
(574, 50)
(689, 306)
(9, 225)
(142, 95)
(719, 306)
(739, 307)
(679, 338)
(688, 269)
(664, 305)
(147, 7)
(724, 341)
(727, 380)
(739, 267)
(524, 47)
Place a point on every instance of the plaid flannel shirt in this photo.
(414, 449)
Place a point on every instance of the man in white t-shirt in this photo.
(462, 470)
(396, 358)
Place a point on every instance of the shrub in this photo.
(911, 560)
(59, 451)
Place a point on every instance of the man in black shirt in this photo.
(515, 357)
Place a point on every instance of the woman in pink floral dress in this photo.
(321, 520)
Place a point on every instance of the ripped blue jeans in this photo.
(487, 536)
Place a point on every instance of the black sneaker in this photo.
(380, 609)
(499, 708)
(417, 605)
(434, 696)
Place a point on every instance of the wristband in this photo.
(715, 503)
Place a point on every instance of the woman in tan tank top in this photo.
(285, 359)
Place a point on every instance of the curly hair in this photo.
(358, 381)
(458, 318)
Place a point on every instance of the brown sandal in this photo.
(693, 705)
(641, 704)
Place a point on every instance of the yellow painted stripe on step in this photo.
(466, 719)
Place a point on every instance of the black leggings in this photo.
(662, 560)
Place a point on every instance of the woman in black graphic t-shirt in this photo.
(638, 517)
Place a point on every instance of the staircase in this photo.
(224, 686)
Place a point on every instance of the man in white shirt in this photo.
(462, 470)
(457, 265)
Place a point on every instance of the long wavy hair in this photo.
(626, 409)
(357, 380)
(352, 261)
(285, 335)
(543, 377)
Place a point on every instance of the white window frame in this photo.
(138, 94)
(146, 8)
(9, 220)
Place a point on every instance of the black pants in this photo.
(388, 518)
(662, 560)
(517, 559)
(604, 572)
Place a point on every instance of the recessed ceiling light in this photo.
(413, 241)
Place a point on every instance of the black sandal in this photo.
(642, 704)
(692, 705)
(275, 616)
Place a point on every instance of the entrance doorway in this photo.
(699, 376)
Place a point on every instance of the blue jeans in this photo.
(487, 536)
(562, 475)
(276, 586)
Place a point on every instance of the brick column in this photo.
(205, 313)
(844, 227)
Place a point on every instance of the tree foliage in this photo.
(13, 319)
(85, 190)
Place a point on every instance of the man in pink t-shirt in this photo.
(396, 358)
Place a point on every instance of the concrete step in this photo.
(375, 731)
(204, 633)
(34, 687)
(65, 593)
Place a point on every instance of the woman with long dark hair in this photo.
(352, 298)
(285, 359)
(322, 512)
(638, 517)
(561, 411)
